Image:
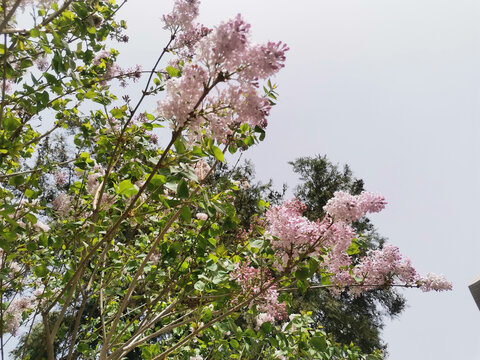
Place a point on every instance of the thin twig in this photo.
(8, 16)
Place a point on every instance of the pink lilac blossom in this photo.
(293, 232)
(185, 41)
(134, 74)
(224, 48)
(112, 69)
(40, 226)
(103, 55)
(14, 267)
(383, 266)
(60, 178)
(13, 314)
(154, 138)
(183, 95)
(295, 235)
(8, 85)
(346, 207)
(262, 318)
(224, 59)
(182, 16)
(265, 60)
(201, 169)
(42, 63)
(434, 282)
(62, 204)
(239, 104)
(92, 179)
(252, 282)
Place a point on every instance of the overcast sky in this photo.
(392, 89)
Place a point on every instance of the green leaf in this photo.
(16, 180)
(186, 214)
(34, 33)
(319, 343)
(31, 218)
(199, 285)
(182, 189)
(218, 153)
(180, 146)
(158, 180)
(207, 314)
(117, 113)
(4, 244)
(354, 248)
(302, 273)
(302, 286)
(234, 343)
(312, 265)
(127, 188)
(10, 236)
(29, 193)
(11, 123)
(147, 126)
(256, 244)
(40, 270)
(267, 327)
(172, 71)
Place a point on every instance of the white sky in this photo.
(390, 88)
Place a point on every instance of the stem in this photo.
(52, 16)
(123, 305)
(48, 337)
(163, 355)
(6, 176)
(4, 76)
(118, 147)
(7, 17)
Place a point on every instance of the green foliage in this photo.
(122, 248)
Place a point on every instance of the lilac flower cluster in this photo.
(218, 86)
(14, 311)
(294, 235)
(252, 281)
(112, 70)
(434, 282)
(62, 204)
(346, 207)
